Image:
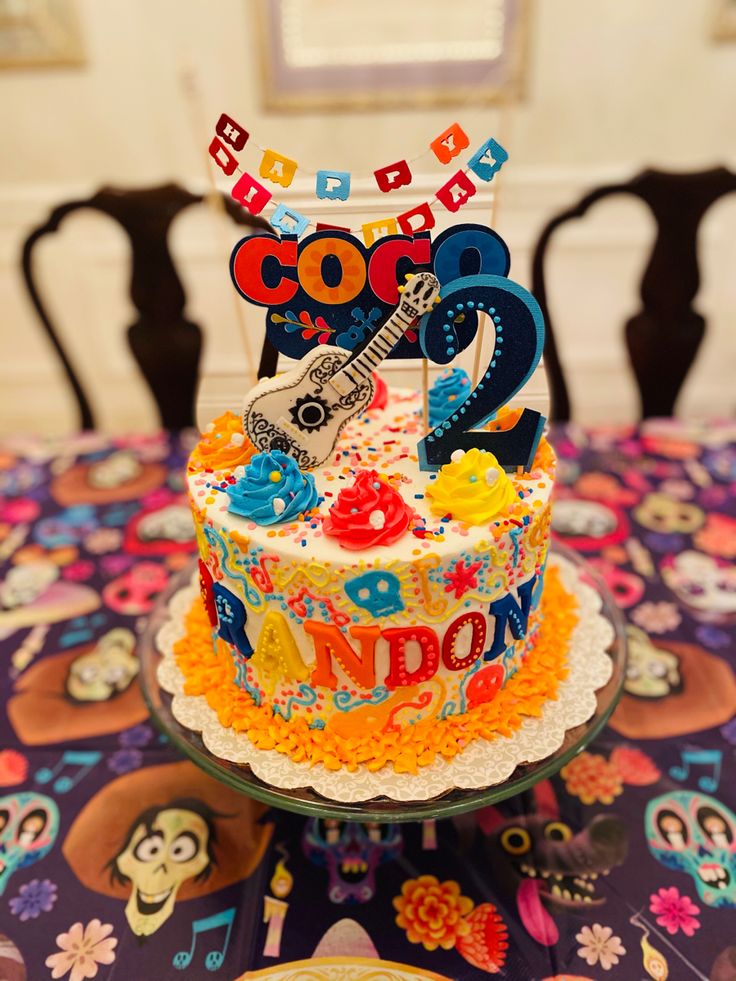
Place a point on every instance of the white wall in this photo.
(612, 87)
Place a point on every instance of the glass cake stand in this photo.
(307, 801)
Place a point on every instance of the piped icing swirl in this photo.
(380, 393)
(272, 490)
(369, 512)
(472, 488)
(223, 446)
(447, 394)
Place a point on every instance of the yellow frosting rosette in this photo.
(472, 488)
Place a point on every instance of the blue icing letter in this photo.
(272, 490)
(231, 618)
(507, 610)
(334, 185)
(447, 394)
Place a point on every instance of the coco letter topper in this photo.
(328, 288)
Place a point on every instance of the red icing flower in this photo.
(368, 513)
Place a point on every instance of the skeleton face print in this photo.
(165, 847)
(106, 671)
(172, 523)
(25, 583)
(117, 469)
(650, 671)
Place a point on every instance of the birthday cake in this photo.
(372, 561)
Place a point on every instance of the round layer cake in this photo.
(368, 598)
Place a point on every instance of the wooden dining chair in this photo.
(165, 344)
(663, 338)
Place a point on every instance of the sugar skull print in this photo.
(696, 834)
(588, 525)
(28, 827)
(705, 586)
(662, 513)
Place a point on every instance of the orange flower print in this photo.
(718, 537)
(432, 912)
(592, 779)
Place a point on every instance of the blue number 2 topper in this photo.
(518, 346)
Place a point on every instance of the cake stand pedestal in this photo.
(305, 800)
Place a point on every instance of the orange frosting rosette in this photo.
(224, 446)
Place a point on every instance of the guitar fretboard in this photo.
(377, 349)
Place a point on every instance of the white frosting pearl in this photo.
(377, 519)
(279, 505)
(457, 455)
(237, 439)
(492, 475)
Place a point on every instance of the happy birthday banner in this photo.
(334, 185)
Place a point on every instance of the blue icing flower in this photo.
(448, 392)
(272, 490)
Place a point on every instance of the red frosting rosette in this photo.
(369, 512)
(380, 393)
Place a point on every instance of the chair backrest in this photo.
(165, 344)
(663, 337)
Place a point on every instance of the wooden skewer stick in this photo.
(425, 393)
(503, 136)
(190, 87)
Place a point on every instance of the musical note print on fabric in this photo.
(213, 958)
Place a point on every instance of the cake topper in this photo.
(303, 411)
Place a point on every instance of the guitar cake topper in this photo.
(303, 411)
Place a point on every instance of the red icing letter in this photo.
(456, 191)
(395, 175)
(382, 264)
(231, 132)
(247, 266)
(399, 675)
(419, 219)
(477, 641)
(448, 144)
(329, 642)
(222, 157)
(253, 196)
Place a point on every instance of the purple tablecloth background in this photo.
(655, 510)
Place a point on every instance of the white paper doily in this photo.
(481, 764)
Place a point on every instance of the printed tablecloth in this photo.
(120, 860)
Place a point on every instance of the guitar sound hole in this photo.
(310, 413)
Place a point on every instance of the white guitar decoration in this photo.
(303, 411)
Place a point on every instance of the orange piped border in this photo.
(209, 672)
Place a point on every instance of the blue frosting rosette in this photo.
(448, 392)
(272, 490)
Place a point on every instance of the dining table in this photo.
(120, 859)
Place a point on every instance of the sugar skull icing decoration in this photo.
(696, 834)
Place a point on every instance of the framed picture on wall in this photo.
(39, 33)
(325, 55)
